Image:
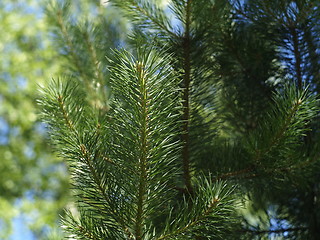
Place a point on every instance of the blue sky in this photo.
(20, 230)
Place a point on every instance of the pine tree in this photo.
(203, 128)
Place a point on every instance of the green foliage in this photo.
(86, 59)
(125, 165)
(210, 219)
(286, 125)
(197, 116)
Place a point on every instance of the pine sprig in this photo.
(84, 46)
(272, 147)
(121, 168)
(78, 139)
(145, 112)
(147, 14)
(206, 215)
(64, 104)
(284, 127)
(86, 226)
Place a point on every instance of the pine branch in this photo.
(142, 78)
(251, 172)
(281, 130)
(186, 105)
(274, 143)
(58, 104)
(197, 220)
(211, 204)
(64, 113)
(145, 112)
(87, 227)
(101, 187)
(81, 55)
(125, 164)
(95, 61)
(80, 231)
(60, 15)
(146, 13)
(76, 141)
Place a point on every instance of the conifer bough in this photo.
(162, 156)
(125, 166)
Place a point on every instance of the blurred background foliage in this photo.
(34, 183)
